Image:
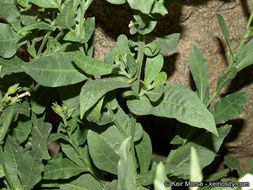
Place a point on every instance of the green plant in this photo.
(103, 146)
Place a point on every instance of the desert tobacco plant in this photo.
(103, 146)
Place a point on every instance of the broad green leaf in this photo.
(85, 34)
(66, 18)
(111, 185)
(94, 114)
(178, 102)
(148, 177)
(199, 70)
(218, 175)
(36, 25)
(167, 43)
(152, 68)
(40, 133)
(144, 152)
(195, 169)
(24, 3)
(244, 58)
(117, 2)
(103, 156)
(132, 65)
(92, 91)
(10, 159)
(226, 78)
(159, 8)
(62, 169)
(91, 66)
(70, 152)
(224, 30)
(141, 5)
(233, 163)
(160, 79)
(229, 106)
(8, 41)
(45, 3)
(206, 145)
(160, 178)
(6, 116)
(54, 70)
(144, 24)
(30, 167)
(9, 66)
(155, 94)
(84, 182)
(22, 130)
(1, 171)
(126, 169)
(122, 43)
(9, 11)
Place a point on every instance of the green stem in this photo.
(43, 43)
(4, 169)
(212, 98)
(140, 57)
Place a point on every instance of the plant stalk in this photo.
(140, 57)
(43, 43)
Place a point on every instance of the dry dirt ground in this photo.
(197, 23)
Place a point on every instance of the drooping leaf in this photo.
(224, 30)
(206, 145)
(144, 152)
(233, 163)
(62, 169)
(229, 107)
(144, 24)
(103, 156)
(178, 102)
(92, 91)
(160, 178)
(167, 43)
(91, 66)
(84, 182)
(45, 3)
(152, 68)
(195, 168)
(66, 18)
(36, 25)
(199, 70)
(8, 41)
(244, 58)
(126, 169)
(54, 70)
(141, 5)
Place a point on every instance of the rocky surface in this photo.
(198, 25)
